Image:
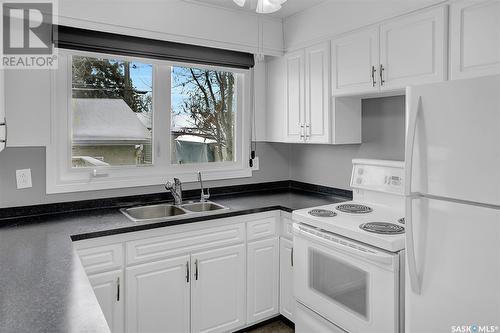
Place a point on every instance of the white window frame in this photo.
(62, 177)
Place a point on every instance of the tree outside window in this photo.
(203, 115)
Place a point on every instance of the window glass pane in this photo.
(339, 281)
(112, 112)
(203, 115)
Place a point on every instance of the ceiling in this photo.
(289, 8)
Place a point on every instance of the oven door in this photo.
(353, 285)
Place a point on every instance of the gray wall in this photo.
(383, 130)
(273, 166)
(383, 138)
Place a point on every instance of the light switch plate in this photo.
(23, 178)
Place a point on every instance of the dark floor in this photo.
(277, 326)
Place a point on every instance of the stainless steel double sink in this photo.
(163, 212)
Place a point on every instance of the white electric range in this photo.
(349, 257)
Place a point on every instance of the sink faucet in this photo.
(176, 189)
(204, 197)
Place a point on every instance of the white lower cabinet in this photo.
(218, 289)
(158, 296)
(109, 293)
(287, 300)
(218, 276)
(262, 279)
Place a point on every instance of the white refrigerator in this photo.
(452, 187)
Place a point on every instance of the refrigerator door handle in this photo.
(410, 143)
(410, 247)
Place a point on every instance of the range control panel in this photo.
(382, 176)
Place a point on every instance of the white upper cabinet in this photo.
(299, 107)
(413, 49)
(475, 38)
(355, 62)
(158, 296)
(294, 115)
(218, 290)
(27, 107)
(317, 96)
(108, 289)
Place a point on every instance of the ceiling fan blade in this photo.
(266, 7)
(277, 2)
(240, 3)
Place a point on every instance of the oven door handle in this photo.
(378, 257)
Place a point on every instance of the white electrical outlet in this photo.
(23, 178)
(255, 166)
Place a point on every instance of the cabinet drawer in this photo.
(286, 225)
(177, 243)
(101, 258)
(262, 227)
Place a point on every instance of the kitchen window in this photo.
(125, 121)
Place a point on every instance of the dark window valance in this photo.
(105, 42)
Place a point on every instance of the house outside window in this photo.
(112, 112)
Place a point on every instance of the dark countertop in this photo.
(43, 285)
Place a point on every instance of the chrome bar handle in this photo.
(301, 131)
(381, 73)
(374, 70)
(187, 271)
(410, 139)
(196, 269)
(118, 289)
(410, 247)
(291, 257)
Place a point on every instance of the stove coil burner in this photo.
(382, 228)
(322, 213)
(354, 208)
(402, 220)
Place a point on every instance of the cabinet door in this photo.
(287, 300)
(354, 58)
(413, 49)
(158, 296)
(262, 279)
(2, 111)
(28, 118)
(294, 112)
(109, 292)
(275, 99)
(475, 38)
(317, 84)
(218, 289)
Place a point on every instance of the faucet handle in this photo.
(169, 185)
(205, 196)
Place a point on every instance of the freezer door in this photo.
(457, 252)
(456, 148)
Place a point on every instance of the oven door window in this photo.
(339, 281)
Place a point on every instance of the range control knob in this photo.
(359, 180)
(360, 171)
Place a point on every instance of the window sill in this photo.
(103, 182)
